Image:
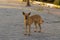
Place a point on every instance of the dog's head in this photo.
(26, 15)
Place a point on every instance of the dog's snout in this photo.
(26, 17)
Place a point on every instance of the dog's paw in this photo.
(25, 34)
(35, 31)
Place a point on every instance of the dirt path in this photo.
(12, 25)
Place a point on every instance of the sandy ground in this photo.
(12, 25)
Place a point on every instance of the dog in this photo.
(28, 20)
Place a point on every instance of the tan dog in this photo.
(28, 20)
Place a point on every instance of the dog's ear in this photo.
(23, 13)
(29, 13)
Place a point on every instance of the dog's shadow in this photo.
(40, 36)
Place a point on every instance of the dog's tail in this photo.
(41, 21)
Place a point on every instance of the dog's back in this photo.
(36, 18)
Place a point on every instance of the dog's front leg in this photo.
(29, 31)
(25, 30)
